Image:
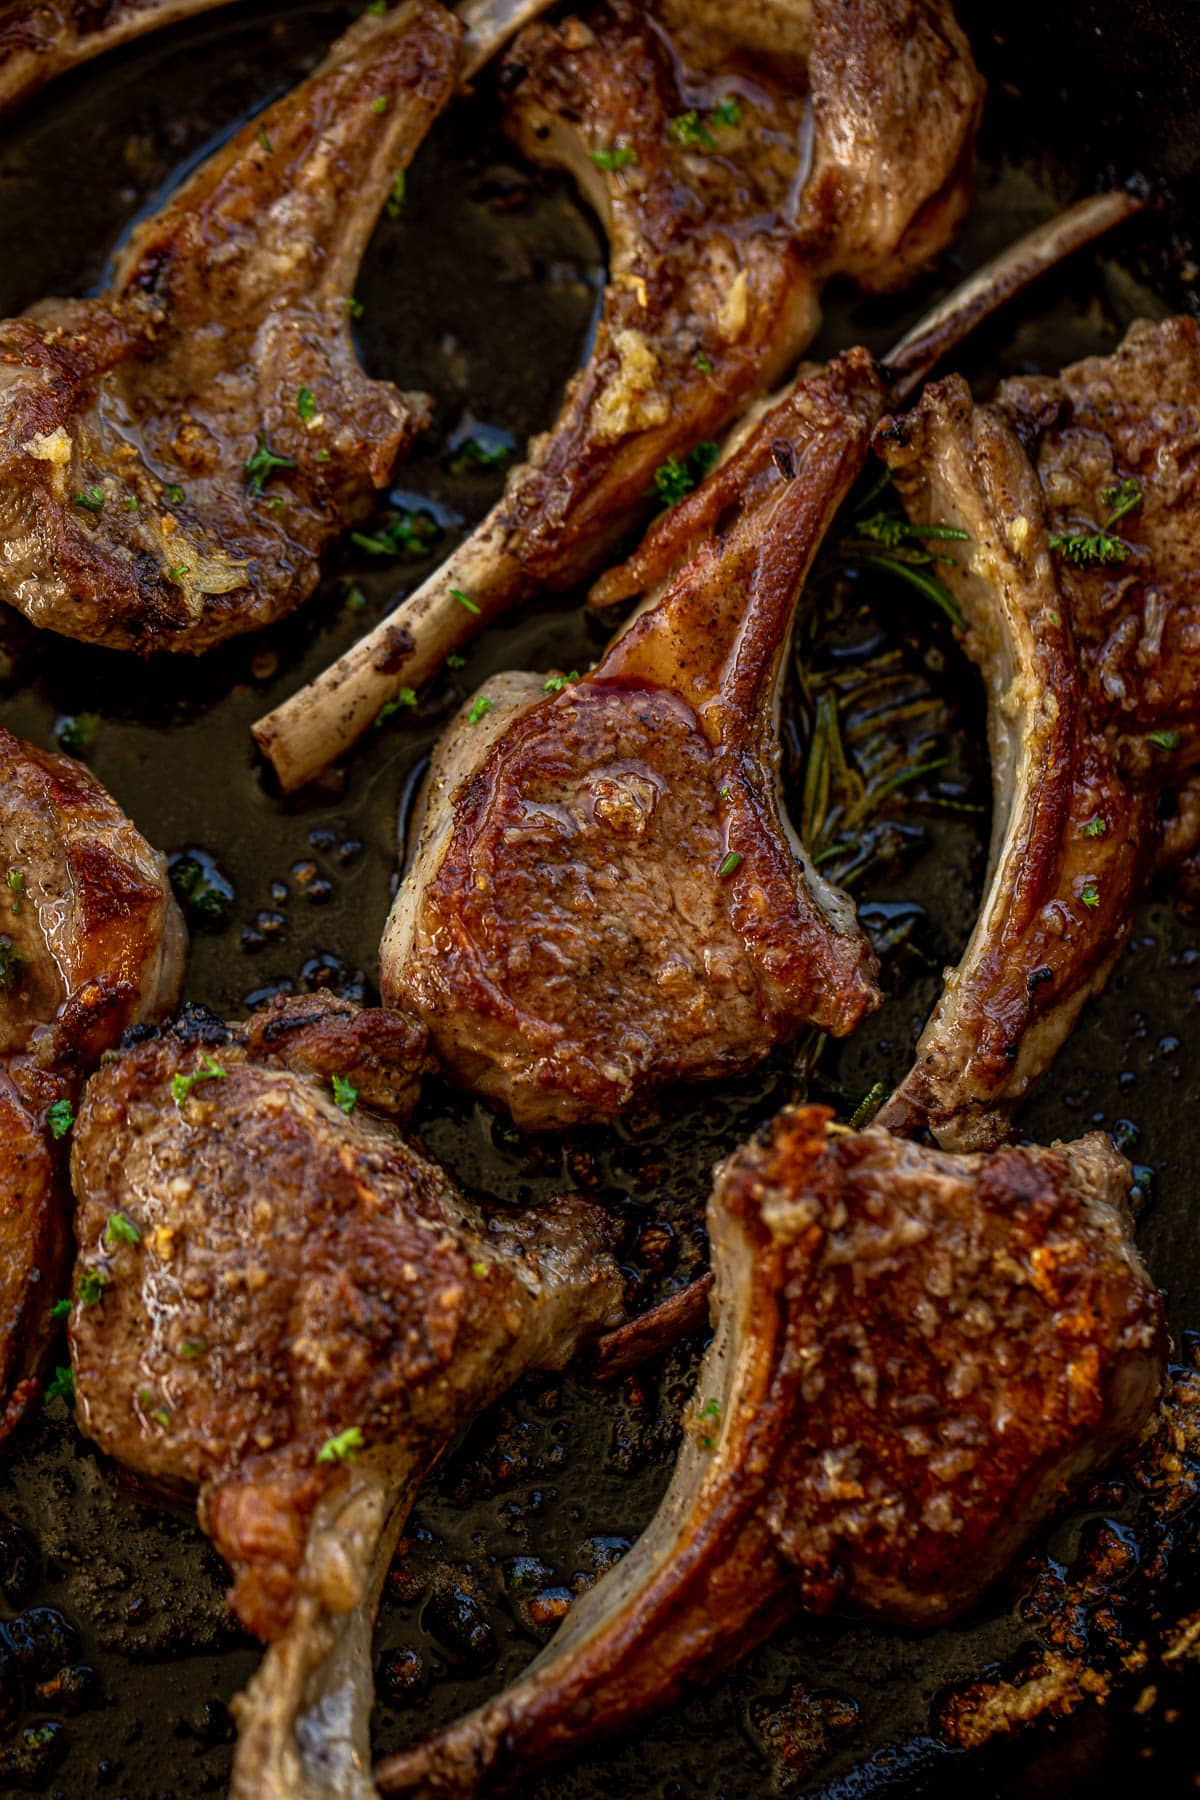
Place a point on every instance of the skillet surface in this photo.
(117, 1657)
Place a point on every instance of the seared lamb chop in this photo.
(604, 894)
(175, 454)
(40, 39)
(92, 942)
(1080, 585)
(917, 1356)
(732, 184)
(283, 1304)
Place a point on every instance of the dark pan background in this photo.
(117, 1656)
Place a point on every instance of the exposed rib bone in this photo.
(854, 1440)
(707, 305)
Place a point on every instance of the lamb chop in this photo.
(175, 454)
(738, 158)
(41, 39)
(605, 895)
(1080, 586)
(92, 942)
(284, 1305)
(917, 1356)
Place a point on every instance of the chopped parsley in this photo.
(1165, 740)
(174, 494)
(355, 598)
(265, 141)
(688, 130)
(355, 307)
(727, 113)
(710, 1410)
(91, 499)
(259, 467)
(479, 709)
(729, 863)
(306, 405)
(177, 571)
(679, 475)
(345, 1094)
(16, 887)
(61, 1309)
(159, 1414)
(1095, 827)
(190, 1348)
(891, 530)
(1089, 893)
(62, 1386)
(398, 195)
(120, 1230)
(92, 1283)
(487, 449)
(456, 661)
(12, 964)
(378, 8)
(342, 1448)
(703, 363)
(554, 684)
(380, 104)
(620, 157)
(182, 1085)
(131, 502)
(463, 600)
(404, 698)
(409, 533)
(1121, 499)
(479, 1268)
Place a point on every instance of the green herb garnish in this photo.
(182, 1085)
(380, 104)
(91, 499)
(463, 600)
(408, 533)
(341, 1448)
(679, 475)
(1165, 740)
(479, 709)
(345, 1094)
(398, 195)
(265, 141)
(1095, 827)
(1121, 499)
(16, 887)
(554, 684)
(1086, 548)
(62, 1386)
(60, 1116)
(456, 661)
(476, 452)
(61, 1309)
(355, 307)
(190, 1348)
(76, 733)
(727, 113)
(399, 702)
(306, 405)
(729, 863)
(1089, 893)
(92, 1283)
(12, 964)
(703, 363)
(259, 467)
(686, 129)
(619, 158)
(120, 1230)
(174, 494)
(868, 1106)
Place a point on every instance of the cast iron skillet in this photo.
(117, 1657)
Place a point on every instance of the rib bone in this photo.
(717, 258)
(854, 1440)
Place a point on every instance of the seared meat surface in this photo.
(293, 1312)
(732, 184)
(1086, 634)
(91, 942)
(605, 896)
(917, 1355)
(40, 39)
(175, 455)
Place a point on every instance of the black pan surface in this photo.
(117, 1655)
